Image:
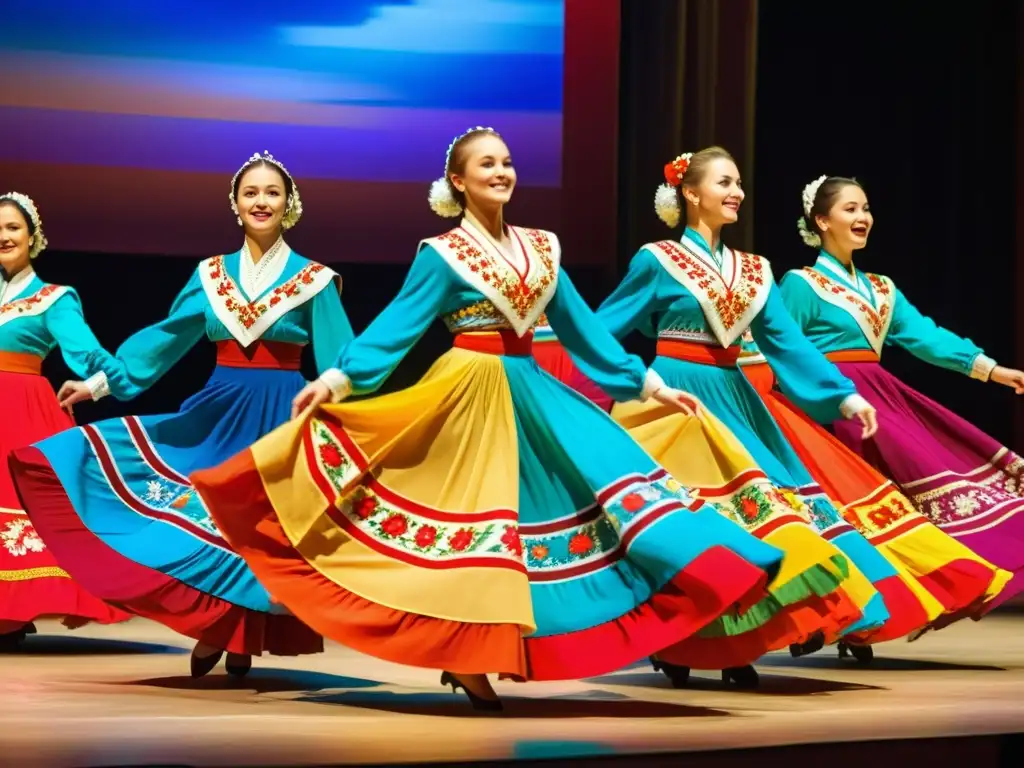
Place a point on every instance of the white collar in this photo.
(256, 279)
(9, 291)
(517, 257)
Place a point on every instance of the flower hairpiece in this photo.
(293, 207)
(666, 198)
(38, 241)
(441, 196)
(808, 196)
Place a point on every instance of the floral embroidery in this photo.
(881, 513)
(875, 321)
(952, 497)
(731, 305)
(521, 295)
(20, 538)
(245, 312)
(38, 302)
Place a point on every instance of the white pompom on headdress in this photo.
(809, 195)
(442, 195)
(38, 241)
(293, 206)
(666, 198)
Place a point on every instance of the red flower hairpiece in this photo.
(676, 170)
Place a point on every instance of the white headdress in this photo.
(38, 240)
(442, 197)
(666, 198)
(810, 194)
(293, 207)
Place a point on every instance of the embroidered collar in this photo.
(247, 320)
(869, 302)
(520, 292)
(731, 296)
(255, 278)
(13, 288)
(852, 278)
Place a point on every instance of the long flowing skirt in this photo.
(486, 519)
(947, 577)
(32, 584)
(113, 502)
(702, 453)
(963, 480)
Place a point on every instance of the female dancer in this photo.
(437, 525)
(806, 607)
(962, 479)
(113, 499)
(949, 580)
(35, 317)
(699, 297)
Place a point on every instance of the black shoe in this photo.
(479, 704)
(202, 665)
(238, 664)
(814, 644)
(864, 654)
(679, 675)
(11, 641)
(741, 677)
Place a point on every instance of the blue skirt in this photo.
(113, 502)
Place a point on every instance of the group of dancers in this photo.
(541, 505)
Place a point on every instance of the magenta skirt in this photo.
(963, 480)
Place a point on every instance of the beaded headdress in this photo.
(442, 197)
(293, 206)
(28, 207)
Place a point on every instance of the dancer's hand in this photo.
(681, 401)
(1008, 377)
(313, 394)
(72, 392)
(869, 418)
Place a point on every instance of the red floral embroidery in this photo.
(750, 509)
(580, 544)
(20, 306)
(521, 294)
(633, 503)
(877, 320)
(247, 313)
(539, 552)
(330, 455)
(512, 541)
(365, 507)
(730, 302)
(461, 539)
(395, 525)
(426, 536)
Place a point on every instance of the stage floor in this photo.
(122, 696)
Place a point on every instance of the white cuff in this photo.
(98, 385)
(339, 384)
(853, 405)
(982, 367)
(652, 383)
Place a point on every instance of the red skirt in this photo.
(32, 585)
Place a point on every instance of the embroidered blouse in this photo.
(681, 290)
(36, 317)
(840, 309)
(300, 305)
(466, 278)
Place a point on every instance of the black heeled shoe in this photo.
(202, 665)
(812, 645)
(238, 664)
(679, 675)
(863, 654)
(479, 704)
(741, 677)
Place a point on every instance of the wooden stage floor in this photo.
(105, 696)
